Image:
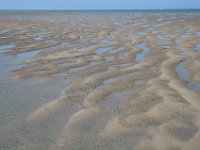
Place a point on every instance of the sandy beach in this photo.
(100, 80)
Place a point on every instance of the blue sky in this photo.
(98, 4)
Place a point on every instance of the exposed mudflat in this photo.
(99, 81)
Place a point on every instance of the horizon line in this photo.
(123, 9)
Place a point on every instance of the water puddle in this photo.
(77, 69)
(60, 75)
(160, 24)
(3, 37)
(66, 63)
(184, 75)
(198, 47)
(198, 33)
(11, 63)
(186, 34)
(121, 56)
(94, 63)
(194, 86)
(27, 55)
(108, 58)
(113, 51)
(184, 54)
(140, 33)
(88, 47)
(6, 48)
(177, 42)
(4, 51)
(168, 35)
(39, 38)
(102, 50)
(138, 83)
(154, 69)
(141, 56)
(160, 19)
(109, 42)
(146, 26)
(28, 33)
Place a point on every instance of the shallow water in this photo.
(140, 33)
(184, 54)
(28, 94)
(185, 76)
(113, 51)
(26, 56)
(109, 42)
(198, 33)
(198, 47)
(6, 48)
(11, 63)
(3, 37)
(194, 86)
(154, 69)
(102, 50)
(39, 38)
(141, 56)
(108, 58)
(4, 51)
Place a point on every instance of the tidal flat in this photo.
(99, 80)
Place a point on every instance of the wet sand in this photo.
(126, 80)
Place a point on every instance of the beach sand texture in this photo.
(132, 80)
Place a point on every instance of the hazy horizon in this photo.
(97, 4)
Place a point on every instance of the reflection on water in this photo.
(184, 75)
(102, 50)
(198, 33)
(108, 58)
(39, 38)
(4, 51)
(194, 86)
(198, 47)
(6, 48)
(27, 55)
(140, 33)
(109, 42)
(141, 56)
(184, 54)
(13, 62)
(3, 37)
(154, 69)
(113, 51)
(25, 97)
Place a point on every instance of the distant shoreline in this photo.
(107, 10)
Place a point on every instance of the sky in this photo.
(97, 4)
